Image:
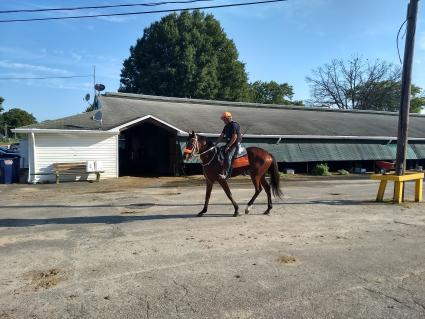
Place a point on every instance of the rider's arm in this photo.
(232, 141)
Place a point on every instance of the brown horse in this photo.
(260, 162)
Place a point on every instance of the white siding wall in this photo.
(69, 148)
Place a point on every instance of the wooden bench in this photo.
(399, 185)
(77, 168)
(72, 169)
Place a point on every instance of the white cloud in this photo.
(58, 84)
(77, 57)
(30, 67)
(115, 19)
(18, 53)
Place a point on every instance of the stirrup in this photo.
(223, 176)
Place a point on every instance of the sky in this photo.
(281, 41)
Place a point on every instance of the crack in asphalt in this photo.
(403, 223)
(186, 292)
(387, 296)
(148, 308)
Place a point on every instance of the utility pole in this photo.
(403, 121)
(94, 83)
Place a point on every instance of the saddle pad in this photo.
(240, 162)
(241, 152)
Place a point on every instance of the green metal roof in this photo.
(419, 149)
(307, 151)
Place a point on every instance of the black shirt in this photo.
(230, 129)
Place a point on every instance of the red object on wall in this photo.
(385, 165)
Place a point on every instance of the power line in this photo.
(46, 77)
(142, 12)
(398, 34)
(151, 4)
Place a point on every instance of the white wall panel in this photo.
(70, 148)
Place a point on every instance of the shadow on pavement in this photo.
(117, 219)
(148, 205)
(25, 222)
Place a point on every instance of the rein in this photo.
(195, 150)
(210, 161)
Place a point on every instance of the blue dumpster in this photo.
(9, 170)
(6, 170)
(16, 168)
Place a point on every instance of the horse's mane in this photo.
(201, 137)
(208, 143)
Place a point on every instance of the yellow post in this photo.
(398, 192)
(381, 191)
(418, 190)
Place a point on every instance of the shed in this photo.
(144, 135)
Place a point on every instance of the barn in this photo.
(141, 135)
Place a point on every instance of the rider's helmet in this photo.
(226, 115)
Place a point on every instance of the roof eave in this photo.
(144, 118)
(62, 131)
(321, 137)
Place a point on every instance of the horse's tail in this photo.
(275, 178)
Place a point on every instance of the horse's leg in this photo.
(269, 195)
(207, 198)
(257, 185)
(226, 189)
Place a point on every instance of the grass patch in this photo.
(343, 172)
(321, 170)
(284, 259)
(45, 279)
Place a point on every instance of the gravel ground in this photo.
(133, 248)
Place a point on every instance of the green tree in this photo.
(1, 102)
(361, 84)
(89, 108)
(386, 95)
(272, 93)
(185, 55)
(2, 130)
(353, 84)
(417, 99)
(16, 118)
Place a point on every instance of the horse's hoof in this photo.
(200, 214)
(236, 214)
(248, 208)
(267, 212)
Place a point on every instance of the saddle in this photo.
(240, 159)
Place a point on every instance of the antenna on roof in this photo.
(98, 117)
(98, 88)
(97, 105)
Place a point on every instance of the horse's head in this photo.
(193, 145)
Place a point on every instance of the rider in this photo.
(232, 133)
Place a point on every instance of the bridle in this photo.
(195, 151)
